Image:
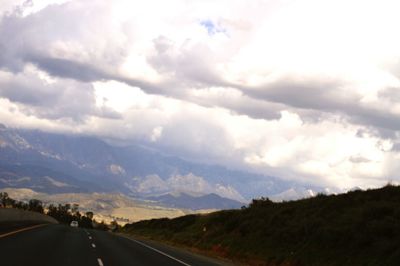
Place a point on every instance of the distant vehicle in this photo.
(74, 224)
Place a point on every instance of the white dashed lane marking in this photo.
(100, 262)
(93, 245)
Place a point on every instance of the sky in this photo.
(303, 90)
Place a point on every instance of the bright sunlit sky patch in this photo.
(302, 90)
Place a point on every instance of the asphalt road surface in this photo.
(62, 245)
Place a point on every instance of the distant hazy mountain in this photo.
(56, 163)
(186, 201)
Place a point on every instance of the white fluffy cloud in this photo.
(305, 90)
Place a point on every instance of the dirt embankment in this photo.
(16, 216)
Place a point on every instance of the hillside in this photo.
(356, 228)
(106, 206)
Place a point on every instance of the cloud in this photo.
(156, 134)
(51, 98)
(278, 87)
(193, 63)
(63, 46)
(75, 50)
(324, 95)
(65, 68)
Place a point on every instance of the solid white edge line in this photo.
(158, 251)
(100, 262)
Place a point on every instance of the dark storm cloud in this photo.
(392, 94)
(255, 109)
(304, 94)
(382, 120)
(66, 68)
(328, 96)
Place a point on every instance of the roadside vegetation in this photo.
(63, 213)
(356, 228)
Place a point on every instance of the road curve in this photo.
(62, 245)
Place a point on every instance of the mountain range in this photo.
(61, 163)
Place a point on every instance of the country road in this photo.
(62, 245)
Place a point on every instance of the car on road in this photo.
(74, 224)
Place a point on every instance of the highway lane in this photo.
(62, 245)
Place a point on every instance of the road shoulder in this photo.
(180, 252)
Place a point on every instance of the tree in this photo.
(89, 215)
(86, 222)
(114, 225)
(75, 208)
(261, 202)
(102, 226)
(21, 205)
(6, 201)
(3, 198)
(36, 205)
(62, 213)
